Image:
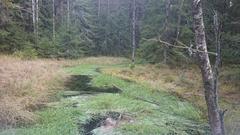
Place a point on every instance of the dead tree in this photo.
(99, 8)
(133, 31)
(179, 20)
(217, 66)
(33, 16)
(68, 14)
(166, 25)
(35, 19)
(53, 20)
(215, 115)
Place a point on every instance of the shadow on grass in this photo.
(81, 84)
(78, 85)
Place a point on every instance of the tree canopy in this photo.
(75, 28)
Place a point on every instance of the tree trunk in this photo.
(33, 16)
(53, 19)
(68, 14)
(217, 66)
(134, 31)
(37, 20)
(214, 113)
(179, 20)
(165, 51)
(99, 8)
(108, 7)
(218, 48)
(107, 28)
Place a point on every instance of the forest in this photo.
(119, 67)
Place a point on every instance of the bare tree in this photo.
(165, 51)
(53, 20)
(133, 31)
(68, 14)
(217, 66)
(99, 7)
(108, 8)
(35, 18)
(215, 115)
(179, 20)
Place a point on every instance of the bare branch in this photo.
(183, 46)
(22, 9)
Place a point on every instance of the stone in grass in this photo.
(106, 128)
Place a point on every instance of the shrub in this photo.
(27, 53)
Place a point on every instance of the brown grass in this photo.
(182, 81)
(186, 83)
(24, 87)
(27, 85)
(93, 60)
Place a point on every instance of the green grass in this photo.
(57, 121)
(168, 102)
(153, 112)
(83, 70)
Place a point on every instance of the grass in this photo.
(186, 83)
(25, 86)
(85, 69)
(147, 97)
(168, 102)
(57, 121)
(28, 85)
(167, 115)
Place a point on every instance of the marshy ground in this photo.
(108, 98)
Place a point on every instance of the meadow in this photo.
(59, 97)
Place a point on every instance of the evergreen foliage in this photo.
(104, 28)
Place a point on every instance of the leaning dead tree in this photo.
(215, 115)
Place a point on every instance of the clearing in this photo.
(94, 100)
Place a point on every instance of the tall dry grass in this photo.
(25, 85)
(187, 83)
